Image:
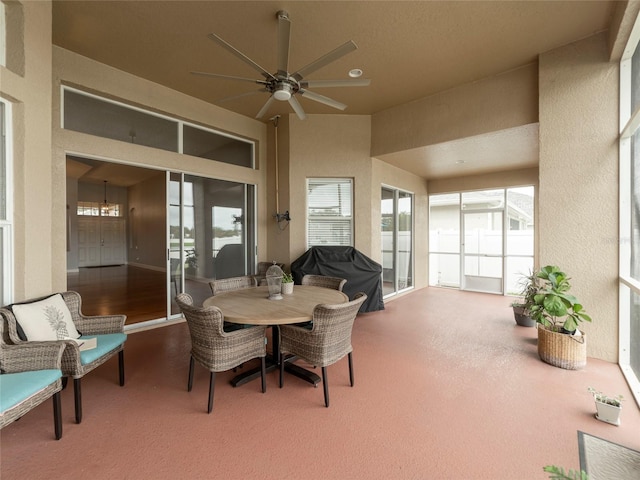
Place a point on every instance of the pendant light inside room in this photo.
(104, 208)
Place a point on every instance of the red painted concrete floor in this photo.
(446, 387)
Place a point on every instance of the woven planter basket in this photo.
(562, 350)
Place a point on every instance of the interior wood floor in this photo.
(139, 293)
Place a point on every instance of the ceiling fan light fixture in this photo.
(355, 73)
(283, 92)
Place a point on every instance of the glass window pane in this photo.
(483, 233)
(214, 146)
(635, 206)
(93, 116)
(635, 79)
(405, 235)
(520, 221)
(329, 204)
(388, 228)
(635, 334)
(3, 38)
(444, 270)
(3, 165)
(517, 267)
(444, 223)
(483, 199)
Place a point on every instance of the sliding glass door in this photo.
(211, 233)
(397, 240)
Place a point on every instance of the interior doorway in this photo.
(101, 241)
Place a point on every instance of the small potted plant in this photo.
(558, 314)
(608, 408)
(558, 473)
(287, 284)
(528, 288)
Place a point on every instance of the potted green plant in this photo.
(558, 473)
(608, 408)
(558, 314)
(287, 283)
(528, 288)
(191, 260)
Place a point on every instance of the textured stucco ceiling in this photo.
(409, 49)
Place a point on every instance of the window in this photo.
(6, 202)
(629, 321)
(329, 212)
(12, 36)
(3, 36)
(95, 209)
(105, 118)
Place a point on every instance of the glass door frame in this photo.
(176, 276)
(463, 251)
(395, 241)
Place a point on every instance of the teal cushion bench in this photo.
(30, 375)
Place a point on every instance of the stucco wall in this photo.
(147, 223)
(330, 146)
(34, 188)
(578, 193)
(488, 105)
(278, 199)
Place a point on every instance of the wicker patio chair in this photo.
(322, 281)
(233, 283)
(218, 350)
(108, 329)
(328, 340)
(30, 375)
(228, 284)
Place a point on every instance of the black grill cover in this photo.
(362, 273)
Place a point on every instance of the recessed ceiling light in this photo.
(355, 73)
(460, 162)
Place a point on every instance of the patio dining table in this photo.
(252, 306)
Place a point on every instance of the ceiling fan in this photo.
(284, 86)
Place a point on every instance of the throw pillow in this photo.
(48, 319)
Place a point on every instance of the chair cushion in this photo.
(232, 327)
(17, 387)
(105, 343)
(48, 319)
(307, 325)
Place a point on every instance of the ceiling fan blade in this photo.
(332, 56)
(364, 82)
(230, 77)
(297, 108)
(246, 94)
(322, 99)
(284, 36)
(240, 55)
(265, 107)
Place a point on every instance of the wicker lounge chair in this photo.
(30, 375)
(108, 329)
(327, 341)
(218, 350)
(323, 281)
